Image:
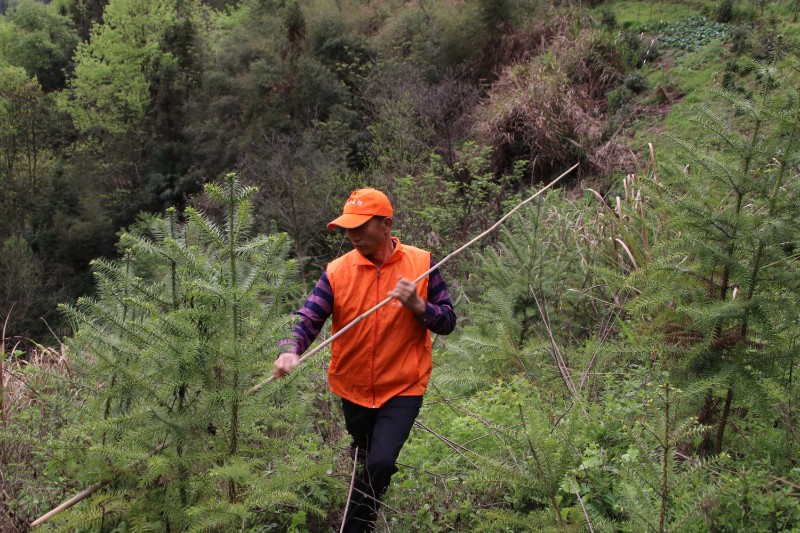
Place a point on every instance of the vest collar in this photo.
(397, 253)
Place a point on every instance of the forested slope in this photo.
(135, 109)
(626, 345)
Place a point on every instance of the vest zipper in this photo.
(375, 332)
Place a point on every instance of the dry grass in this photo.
(529, 41)
(20, 387)
(551, 107)
(611, 157)
(23, 382)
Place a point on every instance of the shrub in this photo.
(725, 11)
(617, 98)
(740, 40)
(752, 499)
(608, 18)
(551, 109)
(636, 82)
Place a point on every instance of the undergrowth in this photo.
(626, 355)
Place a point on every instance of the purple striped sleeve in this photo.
(313, 314)
(439, 316)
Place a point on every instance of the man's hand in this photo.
(406, 292)
(285, 363)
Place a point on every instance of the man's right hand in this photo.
(285, 363)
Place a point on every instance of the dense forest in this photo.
(625, 349)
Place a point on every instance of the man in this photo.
(380, 367)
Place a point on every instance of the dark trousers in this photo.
(378, 434)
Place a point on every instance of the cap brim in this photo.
(348, 221)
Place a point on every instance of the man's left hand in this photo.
(406, 292)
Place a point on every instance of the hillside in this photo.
(625, 347)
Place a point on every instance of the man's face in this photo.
(370, 237)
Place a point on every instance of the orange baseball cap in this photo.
(362, 205)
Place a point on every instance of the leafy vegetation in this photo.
(692, 33)
(627, 346)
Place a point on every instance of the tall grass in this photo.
(29, 414)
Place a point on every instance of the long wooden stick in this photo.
(585, 513)
(97, 486)
(563, 368)
(350, 492)
(3, 403)
(94, 488)
(72, 501)
(422, 276)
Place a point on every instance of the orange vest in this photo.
(388, 353)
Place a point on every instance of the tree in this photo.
(26, 289)
(720, 295)
(86, 13)
(127, 101)
(301, 179)
(110, 92)
(169, 348)
(43, 42)
(23, 114)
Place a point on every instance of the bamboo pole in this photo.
(422, 276)
(94, 488)
(583, 507)
(3, 403)
(72, 501)
(350, 492)
(97, 486)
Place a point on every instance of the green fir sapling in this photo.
(166, 361)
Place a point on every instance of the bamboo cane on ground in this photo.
(350, 492)
(97, 486)
(94, 488)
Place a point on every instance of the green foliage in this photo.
(719, 301)
(110, 91)
(643, 15)
(38, 390)
(548, 409)
(168, 360)
(34, 36)
(447, 204)
(635, 474)
(84, 14)
(753, 499)
(656, 492)
(542, 308)
(635, 82)
(734, 230)
(26, 291)
(725, 11)
(501, 460)
(25, 156)
(402, 130)
(126, 99)
(303, 185)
